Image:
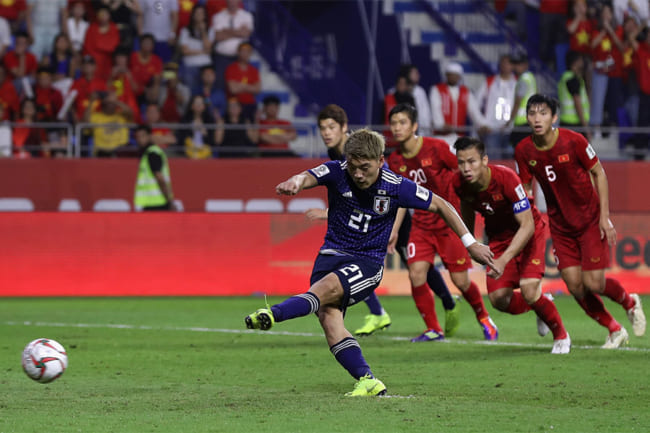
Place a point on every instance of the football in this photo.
(44, 360)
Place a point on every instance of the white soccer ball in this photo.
(44, 360)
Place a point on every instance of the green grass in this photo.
(187, 365)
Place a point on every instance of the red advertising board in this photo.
(161, 254)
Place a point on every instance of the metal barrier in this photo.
(54, 137)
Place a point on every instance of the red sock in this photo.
(594, 307)
(423, 297)
(473, 297)
(518, 304)
(616, 292)
(546, 310)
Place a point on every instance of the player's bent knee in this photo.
(500, 299)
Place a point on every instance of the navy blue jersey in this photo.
(359, 221)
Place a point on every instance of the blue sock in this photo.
(372, 301)
(348, 353)
(439, 287)
(296, 306)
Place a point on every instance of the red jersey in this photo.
(499, 202)
(10, 9)
(11, 61)
(580, 40)
(248, 75)
(554, 6)
(278, 126)
(101, 46)
(49, 101)
(603, 55)
(84, 88)
(563, 173)
(184, 12)
(9, 98)
(143, 72)
(641, 61)
(432, 168)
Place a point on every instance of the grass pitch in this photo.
(188, 365)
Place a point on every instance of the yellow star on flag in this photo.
(582, 37)
(606, 45)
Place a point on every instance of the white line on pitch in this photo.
(286, 333)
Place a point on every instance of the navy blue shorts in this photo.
(359, 276)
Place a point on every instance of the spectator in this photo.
(604, 40)
(276, 133)
(108, 138)
(525, 88)
(579, 28)
(636, 9)
(5, 36)
(160, 136)
(214, 97)
(641, 46)
(421, 98)
(572, 92)
(28, 140)
(185, 8)
(45, 20)
(195, 47)
(14, 11)
(6, 139)
(20, 62)
(228, 30)
(451, 104)
(8, 96)
(123, 13)
(552, 29)
(48, 99)
(159, 18)
(402, 93)
(243, 81)
(199, 140)
(239, 140)
(123, 82)
(102, 38)
(85, 86)
(77, 25)
(146, 68)
(174, 96)
(63, 63)
(496, 97)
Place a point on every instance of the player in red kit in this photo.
(429, 163)
(563, 162)
(516, 234)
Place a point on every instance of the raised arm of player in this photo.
(520, 239)
(479, 252)
(297, 183)
(600, 181)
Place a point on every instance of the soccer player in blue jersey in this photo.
(333, 127)
(364, 199)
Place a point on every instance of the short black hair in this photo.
(271, 99)
(147, 36)
(464, 143)
(538, 99)
(334, 112)
(570, 57)
(142, 127)
(208, 67)
(408, 109)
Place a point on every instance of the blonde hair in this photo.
(365, 144)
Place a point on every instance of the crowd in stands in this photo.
(119, 62)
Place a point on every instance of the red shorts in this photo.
(584, 249)
(424, 244)
(529, 263)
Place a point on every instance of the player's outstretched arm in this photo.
(479, 252)
(297, 183)
(606, 226)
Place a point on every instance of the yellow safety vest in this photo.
(147, 191)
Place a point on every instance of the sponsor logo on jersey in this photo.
(536, 261)
(497, 197)
(521, 193)
(591, 153)
(381, 205)
(422, 193)
(426, 162)
(402, 168)
(321, 170)
(460, 261)
(532, 163)
(563, 158)
(595, 259)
